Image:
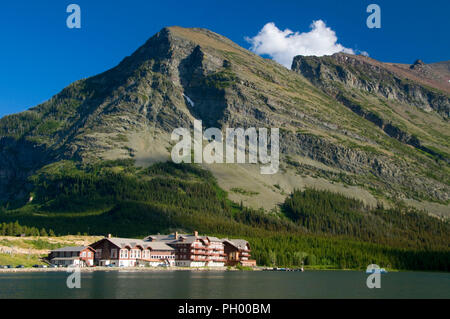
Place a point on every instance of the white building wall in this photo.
(124, 263)
(216, 264)
(190, 263)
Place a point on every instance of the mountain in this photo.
(374, 131)
(408, 105)
(364, 148)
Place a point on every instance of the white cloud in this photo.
(365, 53)
(282, 46)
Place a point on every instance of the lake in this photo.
(213, 284)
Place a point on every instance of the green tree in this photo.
(299, 258)
(310, 260)
(273, 258)
(43, 232)
(17, 229)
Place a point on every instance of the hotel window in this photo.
(113, 253)
(89, 254)
(83, 254)
(124, 253)
(98, 253)
(138, 254)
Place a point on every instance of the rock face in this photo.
(363, 73)
(355, 121)
(418, 64)
(339, 74)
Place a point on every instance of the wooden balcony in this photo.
(217, 254)
(198, 259)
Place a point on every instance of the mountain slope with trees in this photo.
(313, 227)
(364, 141)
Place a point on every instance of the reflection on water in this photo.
(186, 284)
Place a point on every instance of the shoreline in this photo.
(153, 269)
(171, 269)
(125, 269)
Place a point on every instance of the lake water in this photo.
(186, 284)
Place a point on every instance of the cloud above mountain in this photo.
(282, 46)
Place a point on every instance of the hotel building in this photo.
(237, 252)
(194, 250)
(128, 252)
(180, 250)
(81, 256)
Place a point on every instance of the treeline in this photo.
(96, 186)
(16, 125)
(287, 247)
(324, 212)
(314, 228)
(15, 229)
(286, 250)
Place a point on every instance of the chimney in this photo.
(196, 233)
(176, 235)
(109, 236)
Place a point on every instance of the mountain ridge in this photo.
(130, 110)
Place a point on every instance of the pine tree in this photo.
(43, 232)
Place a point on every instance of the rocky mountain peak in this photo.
(342, 117)
(417, 64)
(364, 73)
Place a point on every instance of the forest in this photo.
(311, 227)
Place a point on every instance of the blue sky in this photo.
(39, 55)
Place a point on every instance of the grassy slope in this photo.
(27, 260)
(27, 251)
